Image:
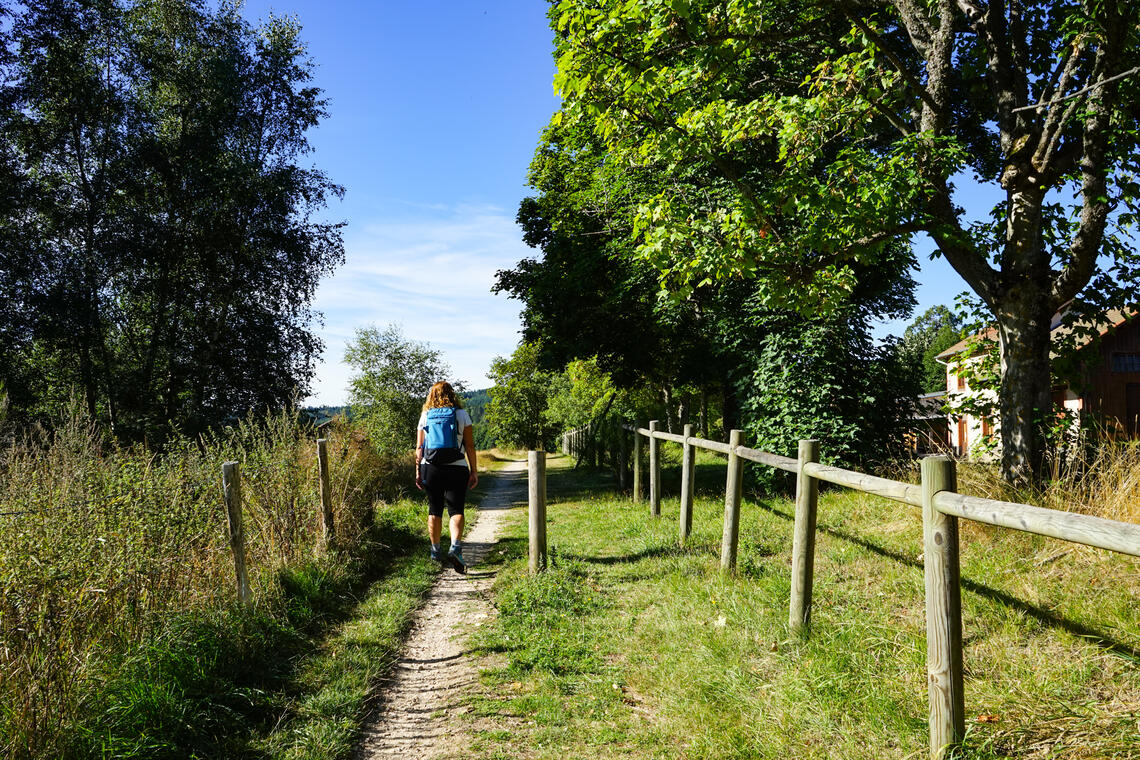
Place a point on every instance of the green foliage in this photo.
(114, 560)
(159, 232)
(801, 139)
(828, 381)
(581, 221)
(475, 402)
(392, 377)
(584, 394)
(928, 335)
(519, 400)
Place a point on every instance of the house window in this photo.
(1126, 361)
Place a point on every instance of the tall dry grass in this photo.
(1104, 481)
(99, 544)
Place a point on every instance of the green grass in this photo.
(283, 680)
(632, 646)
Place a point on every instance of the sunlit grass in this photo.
(676, 659)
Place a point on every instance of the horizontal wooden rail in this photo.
(772, 460)
(940, 505)
(888, 489)
(701, 443)
(1068, 526)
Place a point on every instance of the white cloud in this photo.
(432, 274)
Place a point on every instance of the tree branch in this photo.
(878, 42)
(1085, 247)
(1083, 90)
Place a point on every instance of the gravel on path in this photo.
(414, 718)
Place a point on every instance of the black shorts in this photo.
(446, 484)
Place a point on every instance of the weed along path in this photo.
(416, 713)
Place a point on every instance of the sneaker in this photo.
(455, 557)
(435, 554)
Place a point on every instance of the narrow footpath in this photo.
(429, 681)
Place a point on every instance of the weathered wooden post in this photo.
(654, 471)
(686, 525)
(943, 609)
(733, 488)
(536, 509)
(328, 529)
(231, 492)
(803, 539)
(638, 494)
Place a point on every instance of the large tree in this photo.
(392, 376)
(157, 148)
(863, 115)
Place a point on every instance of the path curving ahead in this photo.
(432, 676)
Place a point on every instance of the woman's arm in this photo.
(419, 454)
(472, 460)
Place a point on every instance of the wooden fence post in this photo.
(637, 492)
(329, 530)
(943, 609)
(803, 540)
(231, 492)
(654, 471)
(536, 481)
(733, 487)
(686, 486)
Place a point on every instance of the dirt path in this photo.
(430, 680)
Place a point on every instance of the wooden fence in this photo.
(231, 495)
(941, 508)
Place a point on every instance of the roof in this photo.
(1112, 319)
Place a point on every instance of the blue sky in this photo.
(435, 110)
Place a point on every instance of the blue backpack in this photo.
(441, 438)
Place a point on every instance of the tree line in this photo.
(728, 194)
(160, 234)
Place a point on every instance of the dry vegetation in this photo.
(101, 547)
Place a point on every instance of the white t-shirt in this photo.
(462, 422)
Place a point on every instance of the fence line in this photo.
(941, 508)
(231, 496)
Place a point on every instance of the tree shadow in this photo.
(1094, 636)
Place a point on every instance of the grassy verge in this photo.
(631, 646)
(284, 680)
(328, 694)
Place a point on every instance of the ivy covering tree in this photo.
(863, 115)
(158, 232)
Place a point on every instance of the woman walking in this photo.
(445, 467)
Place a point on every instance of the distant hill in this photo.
(322, 414)
(475, 402)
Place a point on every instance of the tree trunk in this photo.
(729, 411)
(704, 416)
(1025, 395)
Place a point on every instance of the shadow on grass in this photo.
(211, 683)
(1048, 617)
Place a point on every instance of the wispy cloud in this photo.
(430, 272)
